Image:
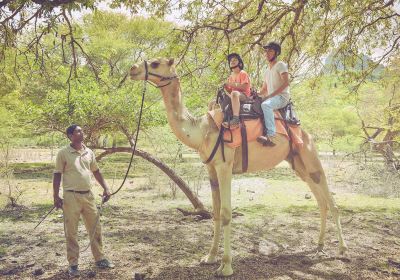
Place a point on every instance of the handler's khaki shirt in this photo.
(76, 168)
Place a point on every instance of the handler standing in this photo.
(74, 164)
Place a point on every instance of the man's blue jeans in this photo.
(268, 107)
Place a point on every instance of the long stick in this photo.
(51, 210)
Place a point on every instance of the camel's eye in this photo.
(155, 64)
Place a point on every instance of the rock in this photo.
(139, 276)
(395, 263)
(11, 271)
(91, 274)
(38, 271)
(30, 264)
(307, 196)
(58, 254)
(267, 247)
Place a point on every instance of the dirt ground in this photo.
(274, 237)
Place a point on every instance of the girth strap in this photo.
(245, 149)
(220, 140)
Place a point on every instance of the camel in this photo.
(201, 134)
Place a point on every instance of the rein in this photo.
(147, 74)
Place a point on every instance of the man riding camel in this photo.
(275, 90)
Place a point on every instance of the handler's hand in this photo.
(58, 202)
(106, 194)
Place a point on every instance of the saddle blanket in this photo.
(254, 128)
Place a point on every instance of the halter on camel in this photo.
(162, 78)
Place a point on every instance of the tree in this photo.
(99, 100)
(381, 125)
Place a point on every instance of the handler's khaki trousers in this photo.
(74, 205)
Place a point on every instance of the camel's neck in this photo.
(185, 126)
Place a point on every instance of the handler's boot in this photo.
(73, 271)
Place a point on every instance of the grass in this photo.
(3, 251)
(36, 170)
(286, 192)
(25, 213)
(364, 203)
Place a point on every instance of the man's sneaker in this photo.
(73, 271)
(104, 264)
(266, 140)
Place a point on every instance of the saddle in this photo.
(250, 109)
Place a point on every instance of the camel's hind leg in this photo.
(314, 175)
(323, 207)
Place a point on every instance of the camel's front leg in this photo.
(224, 174)
(211, 257)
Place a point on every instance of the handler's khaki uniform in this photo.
(76, 168)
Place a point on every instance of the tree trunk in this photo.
(197, 204)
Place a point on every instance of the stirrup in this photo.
(231, 124)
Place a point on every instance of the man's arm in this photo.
(58, 202)
(99, 178)
(264, 90)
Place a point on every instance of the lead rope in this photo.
(126, 174)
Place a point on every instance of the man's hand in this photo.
(58, 202)
(106, 194)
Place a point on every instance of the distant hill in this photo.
(340, 63)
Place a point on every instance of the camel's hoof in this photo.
(224, 271)
(343, 249)
(319, 253)
(208, 259)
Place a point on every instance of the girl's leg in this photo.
(234, 122)
(235, 103)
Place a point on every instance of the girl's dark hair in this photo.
(232, 55)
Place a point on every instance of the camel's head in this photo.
(158, 70)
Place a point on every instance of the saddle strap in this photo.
(245, 149)
(219, 141)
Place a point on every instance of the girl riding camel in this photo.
(237, 86)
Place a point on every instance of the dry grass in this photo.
(144, 234)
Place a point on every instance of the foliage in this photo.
(327, 112)
(12, 190)
(75, 71)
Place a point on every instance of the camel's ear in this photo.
(171, 61)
